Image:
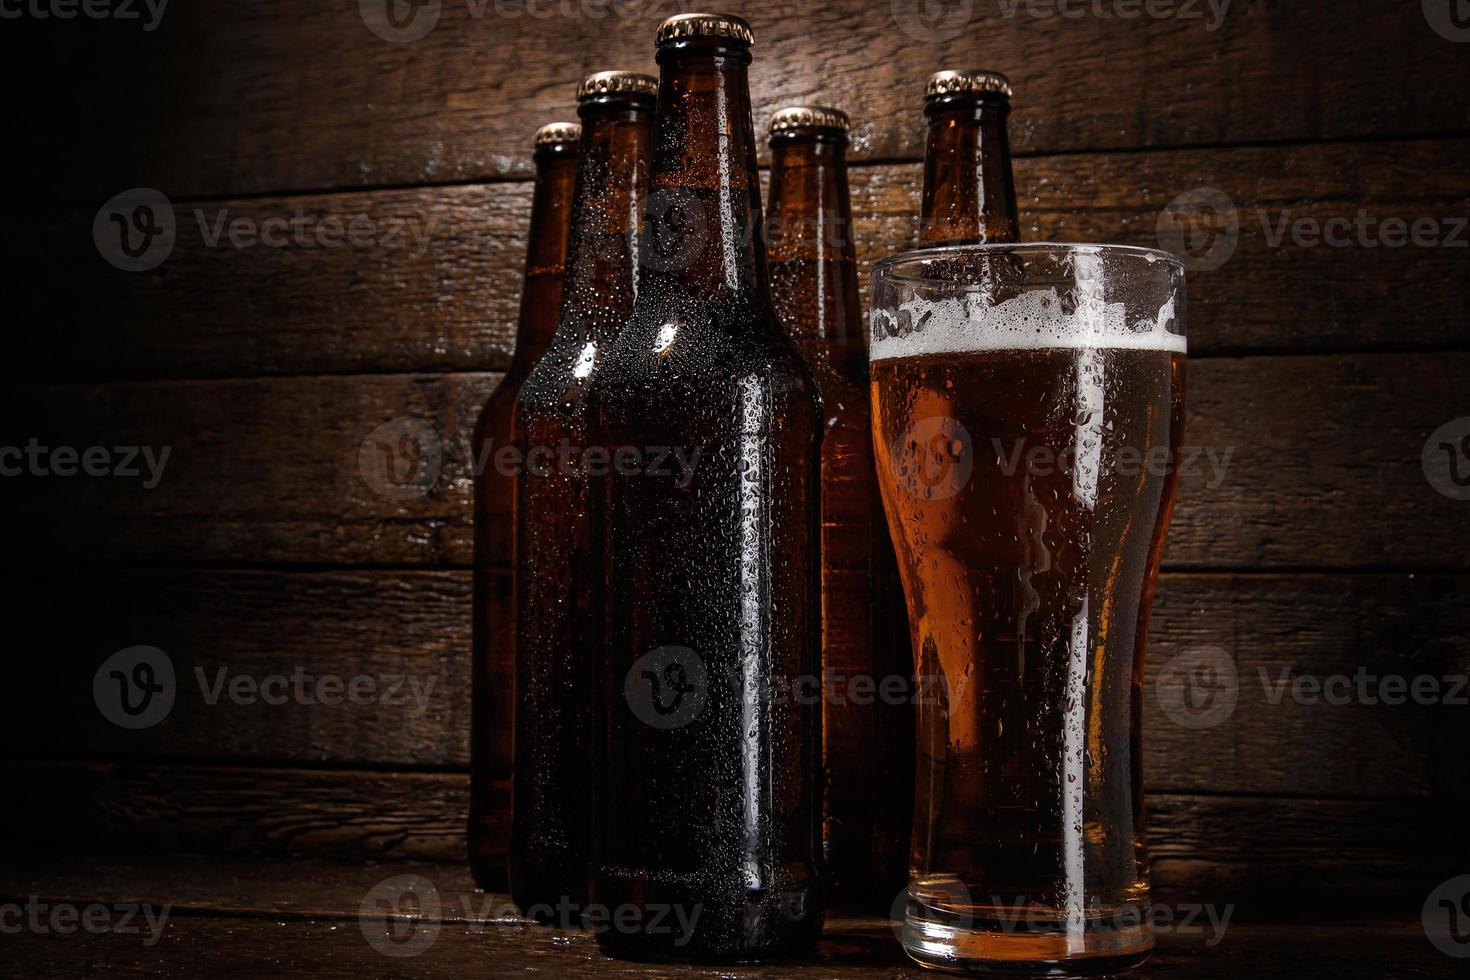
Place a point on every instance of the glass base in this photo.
(1019, 943)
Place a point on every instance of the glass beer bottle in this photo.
(867, 722)
(555, 566)
(969, 191)
(707, 834)
(494, 612)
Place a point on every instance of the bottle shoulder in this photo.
(563, 378)
(705, 345)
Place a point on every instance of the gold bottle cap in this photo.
(969, 80)
(615, 82)
(808, 117)
(558, 132)
(683, 26)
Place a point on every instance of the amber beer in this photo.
(556, 561)
(867, 717)
(707, 837)
(1027, 406)
(969, 190)
(494, 603)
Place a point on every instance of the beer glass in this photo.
(1028, 403)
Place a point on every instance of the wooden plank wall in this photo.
(1319, 371)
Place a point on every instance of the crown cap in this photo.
(682, 26)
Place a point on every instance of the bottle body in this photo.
(556, 555)
(866, 657)
(711, 754)
(707, 842)
(493, 659)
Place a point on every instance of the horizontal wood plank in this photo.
(263, 664)
(405, 637)
(1230, 848)
(461, 102)
(117, 809)
(1299, 462)
(434, 281)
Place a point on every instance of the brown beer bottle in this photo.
(557, 639)
(969, 192)
(867, 720)
(494, 611)
(707, 830)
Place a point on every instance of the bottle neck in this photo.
(810, 236)
(546, 255)
(703, 219)
(969, 190)
(612, 182)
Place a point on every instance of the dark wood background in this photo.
(1322, 369)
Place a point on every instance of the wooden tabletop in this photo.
(216, 920)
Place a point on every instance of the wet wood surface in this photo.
(253, 920)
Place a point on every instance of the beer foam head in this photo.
(1033, 320)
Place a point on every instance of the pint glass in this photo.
(1027, 406)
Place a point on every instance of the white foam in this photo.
(1034, 320)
